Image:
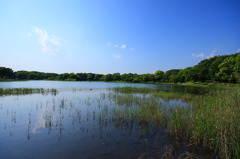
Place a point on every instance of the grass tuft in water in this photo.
(23, 91)
(210, 120)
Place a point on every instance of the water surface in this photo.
(78, 122)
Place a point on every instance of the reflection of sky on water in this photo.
(70, 85)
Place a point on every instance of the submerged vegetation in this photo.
(210, 120)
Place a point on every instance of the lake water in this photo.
(79, 123)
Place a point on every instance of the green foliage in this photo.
(72, 76)
(107, 77)
(116, 77)
(6, 72)
(224, 68)
(170, 73)
(237, 64)
(219, 68)
(136, 80)
(202, 69)
(159, 75)
(214, 69)
(90, 77)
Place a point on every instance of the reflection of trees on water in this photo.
(189, 89)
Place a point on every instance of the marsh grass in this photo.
(216, 123)
(211, 120)
(173, 95)
(141, 109)
(23, 91)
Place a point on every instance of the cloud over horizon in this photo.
(211, 55)
(202, 55)
(50, 44)
(198, 55)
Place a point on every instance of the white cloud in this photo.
(211, 55)
(123, 46)
(132, 48)
(117, 56)
(47, 60)
(238, 50)
(108, 44)
(29, 34)
(116, 45)
(198, 55)
(50, 44)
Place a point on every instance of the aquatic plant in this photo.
(23, 91)
(211, 120)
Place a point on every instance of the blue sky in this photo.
(109, 36)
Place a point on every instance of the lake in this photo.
(79, 121)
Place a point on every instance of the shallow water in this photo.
(77, 123)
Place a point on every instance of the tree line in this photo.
(225, 68)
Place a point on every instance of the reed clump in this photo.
(173, 95)
(216, 123)
(211, 120)
(22, 91)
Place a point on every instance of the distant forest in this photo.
(225, 68)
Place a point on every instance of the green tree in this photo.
(97, 77)
(237, 64)
(174, 78)
(90, 77)
(226, 72)
(236, 68)
(72, 76)
(151, 77)
(127, 77)
(84, 76)
(21, 74)
(65, 76)
(202, 69)
(79, 77)
(187, 74)
(214, 69)
(145, 78)
(136, 80)
(116, 76)
(107, 77)
(6, 72)
(168, 73)
(33, 76)
(159, 75)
